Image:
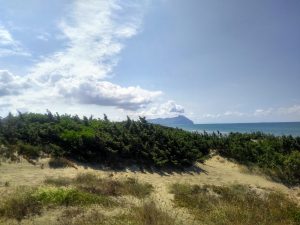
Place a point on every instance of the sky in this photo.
(210, 60)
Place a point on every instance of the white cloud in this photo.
(8, 45)
(295, 109)
(108, 94)
(43, 36)
(93, 34)
(166, 109)
(171, 107)
(263, 112)
(5, 37)
(233, 113)
(11, 84)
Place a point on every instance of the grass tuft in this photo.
(150, 214)
(70, 197)
(60, 181)
(236, 205)
(90, 183)
(20, 204)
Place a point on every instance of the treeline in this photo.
(114, 143)
(99, 140)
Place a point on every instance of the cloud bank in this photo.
(93, 33)
(291, 113)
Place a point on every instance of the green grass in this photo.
(235, 205)
(25, 202)
(70, 197)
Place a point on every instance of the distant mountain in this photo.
(174, 121)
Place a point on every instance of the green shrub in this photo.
(30, 151)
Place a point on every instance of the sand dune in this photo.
(216, 170)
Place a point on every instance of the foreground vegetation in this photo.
(82, 201)
(91, 200)
(142, 143)
(235, 205)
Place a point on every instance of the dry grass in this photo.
(236, 205)
(60, 162)
(20, 204)
(146, 214)
(90, 183)
(150, 214)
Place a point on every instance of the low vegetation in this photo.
(235, 205)
(79, 202)
(20, 204)
(82, 194)
(90, 183)
(25, 201)
(146, 214)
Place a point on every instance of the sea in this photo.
(277, 129)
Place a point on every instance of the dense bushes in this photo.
(279, 157)
(96, 140)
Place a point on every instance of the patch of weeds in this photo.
(135, 188)
(69, 217)
(150, 214)
(20, 204)
(107, 186)
(147, 214)
(235, 205)
(70, 197)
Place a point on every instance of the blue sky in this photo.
(213, 61)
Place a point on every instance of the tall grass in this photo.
(150, 214)
(20, 204)
(146, 214)
(236, 205)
